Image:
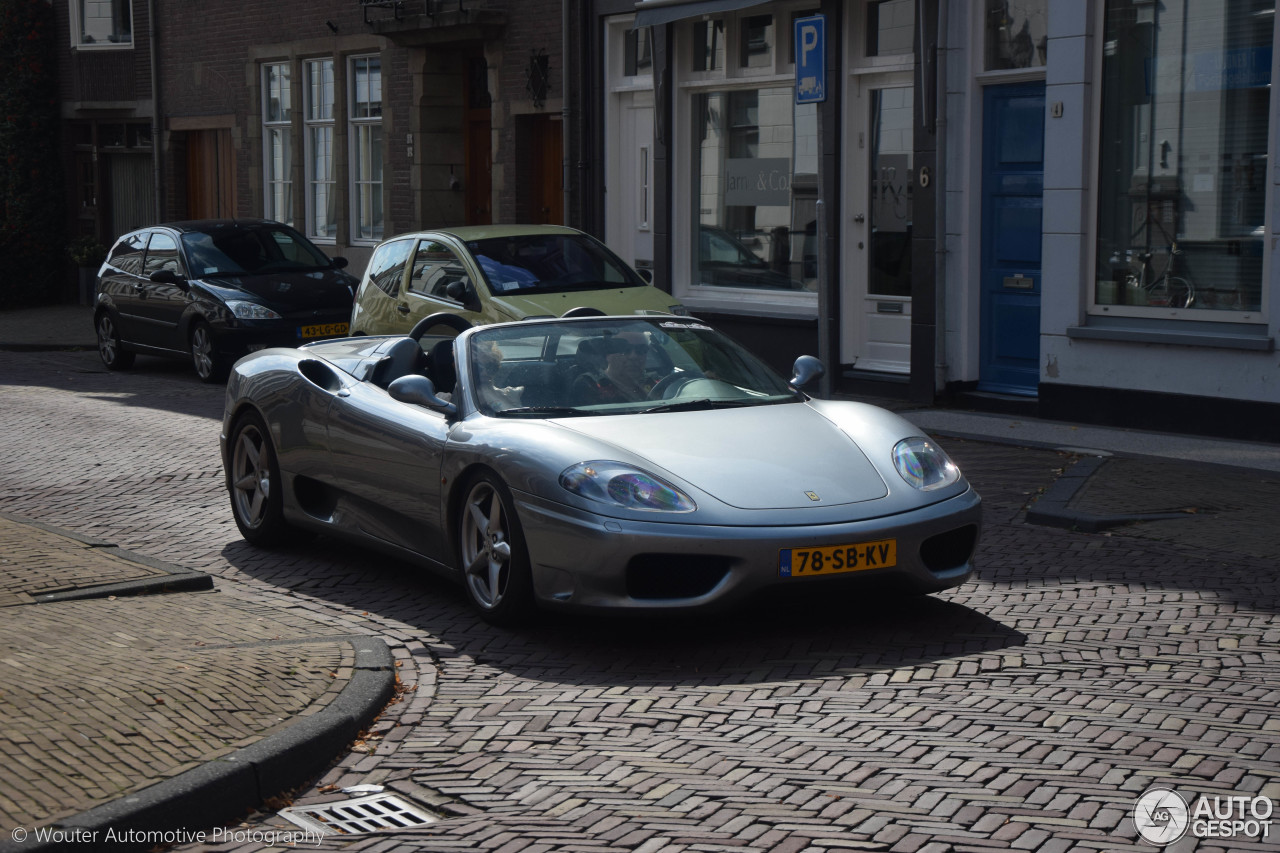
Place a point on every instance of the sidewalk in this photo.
(135, 696)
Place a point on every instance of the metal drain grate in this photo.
(363, 814)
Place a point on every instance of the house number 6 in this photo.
(924, 176)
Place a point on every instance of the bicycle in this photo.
(1165, 289)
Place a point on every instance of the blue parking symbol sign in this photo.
(811, 81)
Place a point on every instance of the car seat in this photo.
(404, 357)
(441, 369)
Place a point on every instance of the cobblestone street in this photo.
(1025, 710)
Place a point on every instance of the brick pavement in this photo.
(1023, 711)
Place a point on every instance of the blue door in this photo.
(1012, 207)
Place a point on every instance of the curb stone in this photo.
(1053, 508)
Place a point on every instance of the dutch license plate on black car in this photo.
(838, 559)
(322, 330)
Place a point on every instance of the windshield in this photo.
(244, 249)
(546, 263)
(615, 367)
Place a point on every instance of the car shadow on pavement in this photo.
(858, 631)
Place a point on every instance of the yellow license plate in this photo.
(323, 330)
(838, 559)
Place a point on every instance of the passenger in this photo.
(488, 360)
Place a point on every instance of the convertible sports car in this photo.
(639, 463)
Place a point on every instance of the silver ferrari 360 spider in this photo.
(590, 462)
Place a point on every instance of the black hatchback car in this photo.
(216, 289)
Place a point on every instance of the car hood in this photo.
(785, 456)
(612, 300)
(290, 291)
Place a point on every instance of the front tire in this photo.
(491, 548)
(257, 499)
(204, 355)
(110, 349)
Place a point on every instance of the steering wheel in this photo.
(440, 318)
(670, 385)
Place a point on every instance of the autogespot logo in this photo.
(1161, 816)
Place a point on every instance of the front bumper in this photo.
(246, 336)
(581, 560)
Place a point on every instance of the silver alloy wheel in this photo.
(108, 345)
(202, 351)
(251, 475)
(486, 545)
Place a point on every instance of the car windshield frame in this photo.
(551, 262)
(613, 366)
(244, 249)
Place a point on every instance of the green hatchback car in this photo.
(497, 273)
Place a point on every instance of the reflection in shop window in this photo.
(1183, 160)
(754, 205)
(757, 42)
(1017, 34)
(638, 49)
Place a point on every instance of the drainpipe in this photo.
(156, 171)
(940, 202)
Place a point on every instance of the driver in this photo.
(623, 379)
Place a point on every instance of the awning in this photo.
(651, 13)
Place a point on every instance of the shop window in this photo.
(757, 37)
(277, 139)
(365, 121)
(101, 23)
(1017, 34)
(1186, 95)
(322, 224)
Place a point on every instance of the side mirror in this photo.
(169, 277)
(646, 274)
(418, 390)
(463, 291)
(338, 263)
(805, 370)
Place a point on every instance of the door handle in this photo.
(859, 218)
(403, 309)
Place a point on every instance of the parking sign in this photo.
(811, 81)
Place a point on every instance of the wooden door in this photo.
(211, 174)
(547, 180)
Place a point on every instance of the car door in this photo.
(120, 284)
(161, 304)
(385, 459)
(437, 264)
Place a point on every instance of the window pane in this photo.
(1182, 187)
(105, 22)
(279, 166)
(320, 90)
(757, 41)
(752, 209)
(278, 106)
(367, 83)
(639, 52)
(890, 27)
(323, 222)
(891, 191)
(1017, 34)
(367, 172)
(708, 46)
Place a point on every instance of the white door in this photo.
(629, 218)
(875, 299)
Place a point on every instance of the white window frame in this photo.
(364, 127)
(277, 177)
(690, 83)
(318, 116)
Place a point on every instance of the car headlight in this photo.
(923, 464)
(245, 310)
(622, 485)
